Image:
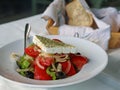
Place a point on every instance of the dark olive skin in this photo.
(29, 74)
(60, 75)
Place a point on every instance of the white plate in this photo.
(98, 60)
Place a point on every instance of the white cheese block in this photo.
(51, 46)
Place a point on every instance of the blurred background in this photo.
(11, 10)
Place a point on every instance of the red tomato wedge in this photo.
(68, 68)
(44, 61)
(72, 71)
(78, 61)
(40, 74)
(31, 51)
(37, 62)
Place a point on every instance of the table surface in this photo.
(14, 30)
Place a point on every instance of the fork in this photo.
(26, 34)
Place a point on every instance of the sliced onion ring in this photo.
(68, 67)
(39, 65)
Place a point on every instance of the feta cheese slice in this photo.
(51, 46)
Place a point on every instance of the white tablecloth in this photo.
(12, 31)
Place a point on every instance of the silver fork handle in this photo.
(26, 34)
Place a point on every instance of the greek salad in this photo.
(39, 65)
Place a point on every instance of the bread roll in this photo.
(77, 15)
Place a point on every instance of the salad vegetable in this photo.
(40, 65)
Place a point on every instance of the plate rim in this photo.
(58, 85)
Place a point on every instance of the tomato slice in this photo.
(41, 63)
(72, 71)
(40, 74)
(44, 61)
(31, 51)
(68, 68)
(37, 62)
(79, 61)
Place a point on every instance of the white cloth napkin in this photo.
(109, 15)
(100, 36)
(56, 11)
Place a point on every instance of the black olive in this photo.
(60, 75)
(29, 74)
(78, 53)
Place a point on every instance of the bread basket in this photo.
(73, 9)
(114, 41)
(52, 30)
